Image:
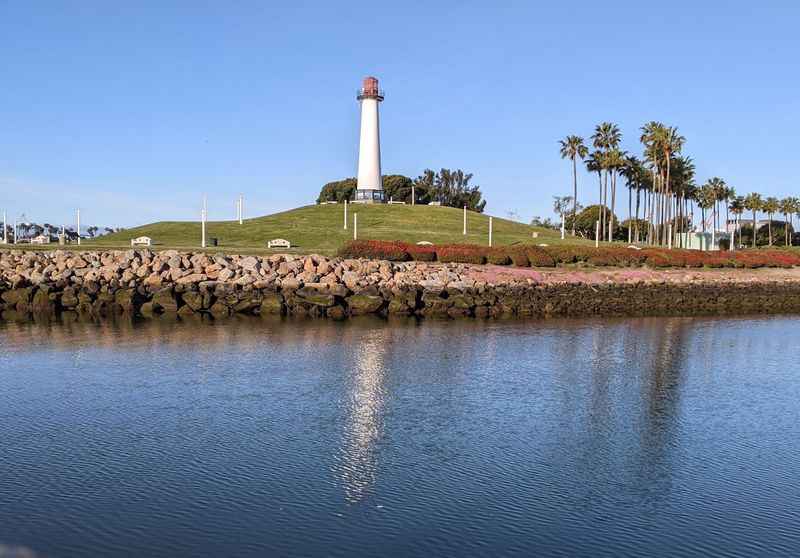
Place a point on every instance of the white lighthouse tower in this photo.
(370, 185)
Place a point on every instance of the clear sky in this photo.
(132, 110)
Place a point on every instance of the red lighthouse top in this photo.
(369, 89)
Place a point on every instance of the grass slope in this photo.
(319, 228)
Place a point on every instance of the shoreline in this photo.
(146, 284)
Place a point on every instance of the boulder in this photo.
(360, 304)
(272, 304)
(165, 300)
(194, 300)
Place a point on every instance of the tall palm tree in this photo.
(615, 160)
(771, 205)
(595, 163)
(753, 202)
(786, 207)
(737, 208)
(606, 137)
(572, 147)
(636, 177)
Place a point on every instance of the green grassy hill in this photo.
(319, 228)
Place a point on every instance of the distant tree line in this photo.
(28, 230)
(451, 188)
(662, 193)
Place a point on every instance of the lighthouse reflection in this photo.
(364, 405)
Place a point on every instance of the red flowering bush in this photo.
(549, 256)
(374, 250)
(461, 253)
(421, 252)
(616, 256)
(497, 256)
(539, 257)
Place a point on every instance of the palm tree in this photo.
(737, 208)
(771, 205)
(595, 163)
(786, 207)
(615, 160)
(753, 202)
(572, 147)
(605, 138)
(636, 177)
(706, 198)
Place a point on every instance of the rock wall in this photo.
(147, 284)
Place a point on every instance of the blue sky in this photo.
(132, 110)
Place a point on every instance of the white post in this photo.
(597, 234)
(203, 224)
(413, 197)
(669, 240)
(345, 214)
(465, 220)
(5, 229)
(490, 232)
(355, 226)
(79, 227)
(562, 226)
(241, 208)
(15, 231)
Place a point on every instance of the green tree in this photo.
(753, 202)
(452, 188)
(737, 208)
(573, 148)
(561, 206)
(786, 206)
(338, 190)
(397, 187)
(770, 207)
(586, 221)
(606, 137)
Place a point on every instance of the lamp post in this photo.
(490, 232)
(203, 223)
(345, 214)
(78, 219)
(465, 220)
(355, 226)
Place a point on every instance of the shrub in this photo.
(375, 250)
(616, 256)
(519, 257)
(498, 256)
(421, 253)
(461, 253)
(567, 254)
(547, 256)
(539, 257)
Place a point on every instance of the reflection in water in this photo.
(358, 460)
(667, 437)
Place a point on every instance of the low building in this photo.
(706, 241)
(41, 239)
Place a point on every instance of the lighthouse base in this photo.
(369, 196)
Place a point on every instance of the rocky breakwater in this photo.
(185, 284)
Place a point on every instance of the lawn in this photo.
(319, 229)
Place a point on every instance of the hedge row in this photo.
(550, 256)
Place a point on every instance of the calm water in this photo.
(641, 437)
